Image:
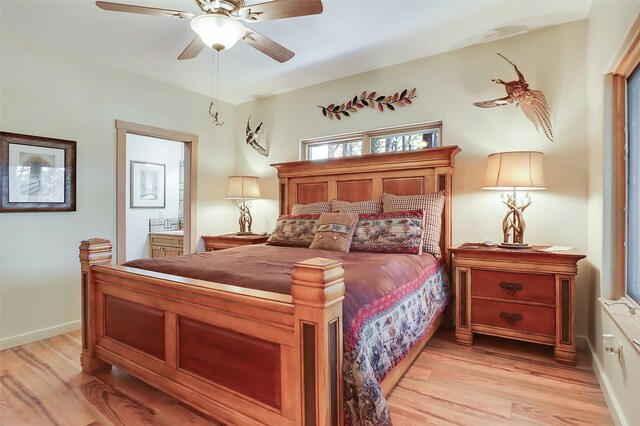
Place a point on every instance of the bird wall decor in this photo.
(253, 136)
(533, 103)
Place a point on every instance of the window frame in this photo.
(629, 62)
(366, 135)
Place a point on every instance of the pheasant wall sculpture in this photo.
(253, 136)
(532, 102)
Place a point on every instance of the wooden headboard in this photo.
(369, 176)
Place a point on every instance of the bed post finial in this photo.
(95, 251)
(317, 288)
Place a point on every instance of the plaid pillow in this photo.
(294, 231)
(432, 204)
(369, 206)
(312, 208)
(391, 232)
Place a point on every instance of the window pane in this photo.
(335, 150)
(633, 186)
(405, 142)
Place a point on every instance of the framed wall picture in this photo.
(38, 174)
(147, 185)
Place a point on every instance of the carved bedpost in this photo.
(318, 290)
(95, 251)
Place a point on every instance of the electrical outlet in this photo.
(610, 347)
(167, 224)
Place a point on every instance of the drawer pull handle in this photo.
(510, 318)
(511, 287)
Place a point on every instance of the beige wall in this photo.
(552, 60)
(48, 92)
(608, 24)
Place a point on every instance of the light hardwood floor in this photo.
(492, 383)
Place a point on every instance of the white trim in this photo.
(607, 390)
(33, 336)
(628, 323)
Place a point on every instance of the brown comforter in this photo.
(368, 276)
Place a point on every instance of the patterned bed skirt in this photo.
(381, 335)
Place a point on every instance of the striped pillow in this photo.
(360, 207)
(312, 208)
(432, 204)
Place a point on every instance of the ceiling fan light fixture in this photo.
(218, 31)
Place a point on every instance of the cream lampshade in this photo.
(515, 171)
(243, 188)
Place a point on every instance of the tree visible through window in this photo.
(396, 139)
(406, 142)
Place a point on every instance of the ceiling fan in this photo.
(220, 27)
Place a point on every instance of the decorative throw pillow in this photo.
(335, 231)
(432, 204)
(369, 206)
(392, 232)
(312, 208)
(294, 230)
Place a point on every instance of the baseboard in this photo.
(33, 336)
(582, 342)
(609, 396)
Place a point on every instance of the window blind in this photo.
(633, 186)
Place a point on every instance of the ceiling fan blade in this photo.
(130, 8)
(281, 9)
(267, 46)
(193, 49)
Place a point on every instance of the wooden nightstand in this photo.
(225, 241)
(524, 294)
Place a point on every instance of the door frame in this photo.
(190, 185)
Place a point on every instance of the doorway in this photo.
(134, 195)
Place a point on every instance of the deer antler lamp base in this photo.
(512, 171)
(513, 224)
(245, 218)
(241, 189)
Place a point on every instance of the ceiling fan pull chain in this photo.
(216, 64)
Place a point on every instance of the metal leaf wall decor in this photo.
(371, 100)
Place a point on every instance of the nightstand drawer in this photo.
(514, 286)
(514, 316)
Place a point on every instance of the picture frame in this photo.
(38, 174)
(148, 185)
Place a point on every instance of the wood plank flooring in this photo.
(495, 382)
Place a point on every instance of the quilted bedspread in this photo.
(381, 335)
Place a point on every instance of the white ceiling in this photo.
(349, 37)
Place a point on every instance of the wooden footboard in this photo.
(244, 356)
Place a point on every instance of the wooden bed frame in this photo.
(248, 356)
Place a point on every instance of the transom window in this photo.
(378, 141)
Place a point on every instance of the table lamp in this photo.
(243, 188)
(514, 171)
